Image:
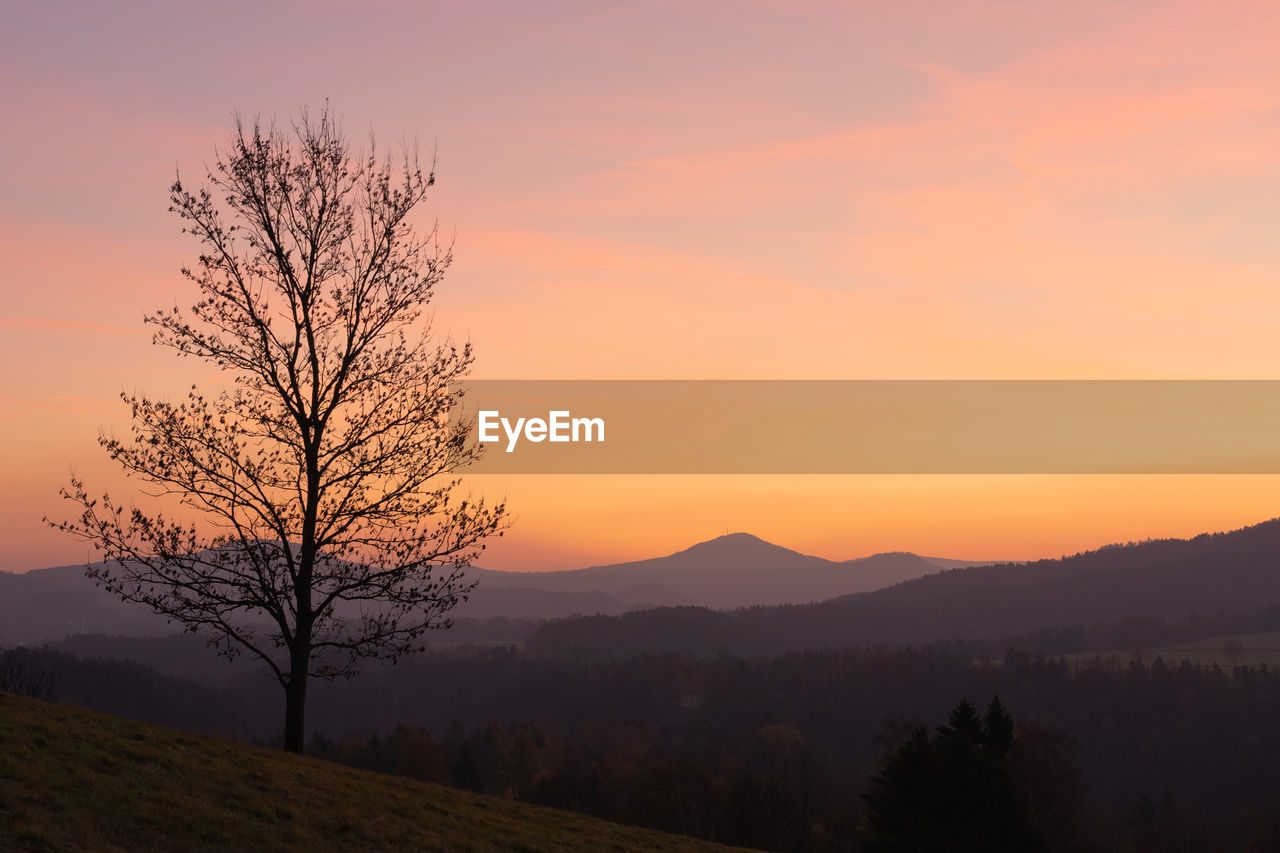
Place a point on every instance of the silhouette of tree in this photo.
(416, 755)
(998, 728)
(902, 798)
(322, 474)
(518, 767)
(952, 792)
(1234, 651)
(29, 672)
(1042, 764)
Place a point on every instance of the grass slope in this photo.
(1251, 650)
(72, 779)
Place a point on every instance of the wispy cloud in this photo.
(66, 325)
(55, 406)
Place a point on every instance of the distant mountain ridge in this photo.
(735, 570)
(48, 604)
(1172, 579)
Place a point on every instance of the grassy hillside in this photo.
(1245, 650)
(75, 780)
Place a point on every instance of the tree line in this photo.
(1159, 748)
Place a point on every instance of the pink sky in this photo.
(995, 190)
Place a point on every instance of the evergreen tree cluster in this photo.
(953, 791)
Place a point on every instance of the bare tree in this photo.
(1234, 651)
(30, 672)
(323, 476)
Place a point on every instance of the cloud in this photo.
(47, 323)
(56, 406)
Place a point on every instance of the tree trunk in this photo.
(295, 703)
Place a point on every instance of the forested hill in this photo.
(1244, 561)
(1166, 579)
(730, 571)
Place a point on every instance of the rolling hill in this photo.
(732, 571)
(736, 570)
(77, 780)
(1165, 579)
(48, 604)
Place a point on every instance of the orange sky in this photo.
(737, 190)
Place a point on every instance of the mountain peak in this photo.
(732, 544)
(739, 536)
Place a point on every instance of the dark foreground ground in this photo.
(72, 779)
